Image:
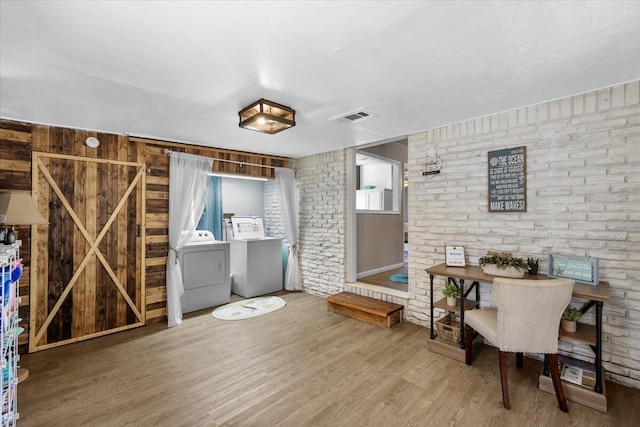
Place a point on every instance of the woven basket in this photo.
(448, 328)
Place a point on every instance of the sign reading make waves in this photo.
(507, 171)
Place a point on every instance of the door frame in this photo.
(352, 218)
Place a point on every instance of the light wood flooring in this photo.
(382, 279)
(299, 366)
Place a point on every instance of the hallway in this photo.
(382, 279)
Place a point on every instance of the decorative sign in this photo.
(581, 269)
(454, 256)
(508, 180)
(247, 228)
(433, 163)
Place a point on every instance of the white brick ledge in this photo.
(378, 292)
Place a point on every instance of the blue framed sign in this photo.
(579, 268)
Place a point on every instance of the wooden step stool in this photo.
(370, 310)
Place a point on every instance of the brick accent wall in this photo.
(273, 226)
(583, 196)
(322, 182)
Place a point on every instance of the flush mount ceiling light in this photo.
(266, 116)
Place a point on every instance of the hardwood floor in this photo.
(382, 279)
(301, 365)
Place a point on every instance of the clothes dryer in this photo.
(204, 262)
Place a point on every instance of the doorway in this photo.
(379, 215)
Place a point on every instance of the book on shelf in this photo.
(577, 372)
(572, 374)
(588, 379)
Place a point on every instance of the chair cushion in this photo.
(484, 321)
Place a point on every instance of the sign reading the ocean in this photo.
(508, 180)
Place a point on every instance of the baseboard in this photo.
(379, 270)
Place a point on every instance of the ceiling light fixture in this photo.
(266, 116)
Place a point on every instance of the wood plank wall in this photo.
(65, 247)
(18, 139)
(157, 207)
(15, 174)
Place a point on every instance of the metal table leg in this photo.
(462, 341)
(431, 332)
(598, 348)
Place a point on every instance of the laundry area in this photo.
(228, 252)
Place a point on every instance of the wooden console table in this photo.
(588, 334)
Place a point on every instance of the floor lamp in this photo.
(17, 208)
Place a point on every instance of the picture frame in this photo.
(454, 256)
(579, 268)
(507, 180)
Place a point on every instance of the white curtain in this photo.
(290, 211)
(187, 192)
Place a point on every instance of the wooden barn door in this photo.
(88, 263)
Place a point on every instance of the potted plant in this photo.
(504, 265)
(451, 292)
(569, 318)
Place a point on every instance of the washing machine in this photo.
(256, 260)
(204, 262)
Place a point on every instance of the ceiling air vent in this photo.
(354, 116)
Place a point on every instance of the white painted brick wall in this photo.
(322, 182)
(583, 194)
(273, 226)
(376, 295)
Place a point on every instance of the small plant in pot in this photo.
(569, 318)
(504, 265)
(451, 292)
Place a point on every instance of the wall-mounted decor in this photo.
(454, 256)
(579, 268)
(507, 171)
(432, 164)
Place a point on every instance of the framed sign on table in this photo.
(579, 268)
(454, 256)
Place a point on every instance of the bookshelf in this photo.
(578, 393)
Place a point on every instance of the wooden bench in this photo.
(370, 310)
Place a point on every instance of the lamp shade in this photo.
(266, 116)
(18, 208)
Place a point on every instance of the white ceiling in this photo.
(182, 70)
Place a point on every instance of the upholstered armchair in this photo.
(526, 320)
